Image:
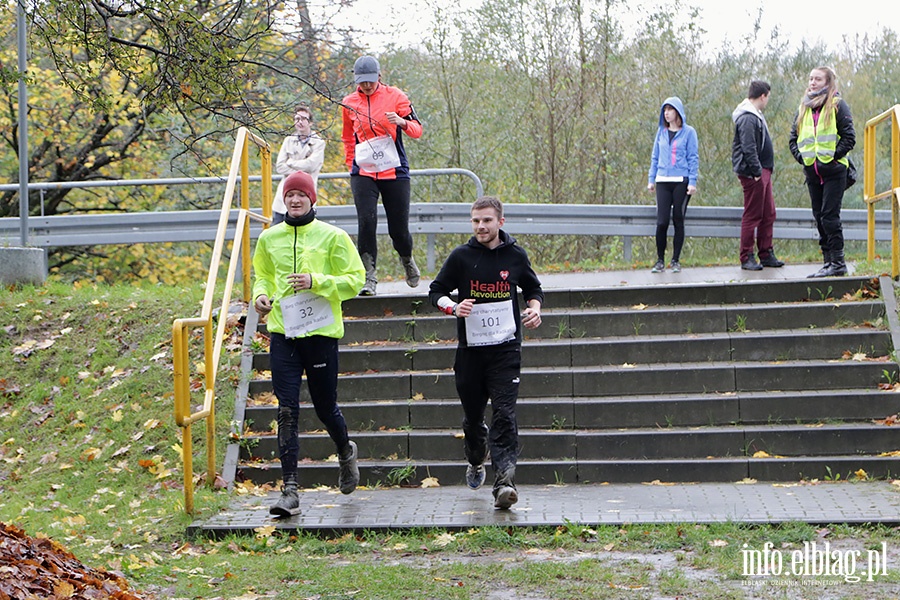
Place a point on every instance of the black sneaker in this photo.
(475, 476)
(289, 503)
(659, 267)
(349, 477)
(771, 261)
(505, 497)
(751, 265)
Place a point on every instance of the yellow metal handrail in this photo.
(181, 328)
(869, 195)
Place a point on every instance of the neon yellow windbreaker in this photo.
(323, 250)
(818, 142)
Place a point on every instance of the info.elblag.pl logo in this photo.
(814, 560)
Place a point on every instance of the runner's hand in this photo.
(262, 305)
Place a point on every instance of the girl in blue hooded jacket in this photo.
(674, 167)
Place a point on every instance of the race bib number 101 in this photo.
(304, 313)
(491, 323)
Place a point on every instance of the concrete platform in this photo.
(458, 508)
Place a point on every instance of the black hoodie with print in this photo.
(487, 275)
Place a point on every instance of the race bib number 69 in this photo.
(491, 323)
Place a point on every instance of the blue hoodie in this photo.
(680, 157)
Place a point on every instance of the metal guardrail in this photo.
(70, 185)
(437, 218)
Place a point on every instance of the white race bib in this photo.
(491, 323)
(305, 312)
(377, 154)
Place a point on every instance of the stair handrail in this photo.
(870, 197)
(181, 328)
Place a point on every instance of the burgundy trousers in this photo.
(759, 215)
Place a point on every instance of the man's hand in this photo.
(464, 308)
(531, 318)
(262, 305)
(300, 281)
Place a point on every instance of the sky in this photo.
(407, 22)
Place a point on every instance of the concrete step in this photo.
(729, 292)
(803, 344)
(637, 320)
(732, 469)
(623, 380)
(664, 410)
(585, 444)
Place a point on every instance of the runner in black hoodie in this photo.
(486, 272)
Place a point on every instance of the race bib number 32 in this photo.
(491, 323)
(304, 313)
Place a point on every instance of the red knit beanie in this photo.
(303, 182)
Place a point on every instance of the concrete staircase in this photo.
(776, 381)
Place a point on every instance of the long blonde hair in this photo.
(831, 81)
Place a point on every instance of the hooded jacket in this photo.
(680, 157)
(364, 119)
(323, 250)
(751, 149)
(488, 275)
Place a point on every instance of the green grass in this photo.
(87, 458)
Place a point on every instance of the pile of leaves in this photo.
(42, 568)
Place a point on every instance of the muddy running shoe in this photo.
(505, 497)
(475, 476)
(412, 271)
(349, 477)
(659, 267)
(289, 503)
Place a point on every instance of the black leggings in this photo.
(395, 198)
(671, 200)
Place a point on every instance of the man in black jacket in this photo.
(486, 273)
(753, 158)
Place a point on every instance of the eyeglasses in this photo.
(302, 118)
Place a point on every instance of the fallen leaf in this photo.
(444, 540)
(430, 482)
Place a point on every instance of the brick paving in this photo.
(459, 508)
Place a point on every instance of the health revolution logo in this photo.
(813, 561)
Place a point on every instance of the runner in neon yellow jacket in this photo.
(309, 260)
(319, 249)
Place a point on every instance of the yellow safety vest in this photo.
(818, 142)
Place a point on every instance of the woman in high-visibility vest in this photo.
(821, 137)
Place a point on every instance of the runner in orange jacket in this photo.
(375, 118)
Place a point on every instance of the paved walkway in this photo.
(459, 508)
(639, 277)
